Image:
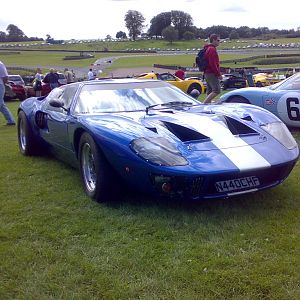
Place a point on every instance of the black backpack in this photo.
(201, 61)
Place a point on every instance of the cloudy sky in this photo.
(93, 19)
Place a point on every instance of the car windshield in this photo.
(292, 83)
(132, 96)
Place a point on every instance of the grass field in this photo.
(47, 59)
(55, 243)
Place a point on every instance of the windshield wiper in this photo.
(169, 104)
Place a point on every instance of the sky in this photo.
(95, 19)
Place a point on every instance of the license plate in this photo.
(237, 184)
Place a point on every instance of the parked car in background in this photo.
(234, 81)
(156, 139)
(282, 99)
(15, 88)
(186, 85)
(46, 87)
(16, 79)
(266, 79)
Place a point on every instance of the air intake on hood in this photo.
(185, 134)
(237, 127)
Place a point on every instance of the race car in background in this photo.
(187, 85)
(282, 99)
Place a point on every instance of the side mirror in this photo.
(56, 103)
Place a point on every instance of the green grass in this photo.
(58, 244)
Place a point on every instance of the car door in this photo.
(59, 118)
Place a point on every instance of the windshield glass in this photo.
(291, 83)
(127, 97)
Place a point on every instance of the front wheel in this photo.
(27, 143)
(96, 173)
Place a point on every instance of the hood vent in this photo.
(185, 134)
(237, 127)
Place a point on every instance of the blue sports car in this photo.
(282, 99)
(156, 139)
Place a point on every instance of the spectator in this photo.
(74, 76)
(37, 83)
(52, 79)
(3, 108)
(180, 73)
(90, 75)
(69, 75)
(212, 72)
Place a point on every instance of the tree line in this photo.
(15, 34)
(178, 25)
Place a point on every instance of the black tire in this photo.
(194, 86)
(98, 178)
(259, 84)
(238, 99)
(222, 85)
(27, 143)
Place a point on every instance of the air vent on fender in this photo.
(185, 134)
(41, 120)
(238, 128)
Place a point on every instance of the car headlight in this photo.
(280, 132)
(159, 151)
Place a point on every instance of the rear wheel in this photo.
(238, 99)
(96, 173)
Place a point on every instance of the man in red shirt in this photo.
(212, 72)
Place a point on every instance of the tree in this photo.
(244, 32)
(181, 22)
(15, 34)
(233, 35)
(134, 22)
(189, 35)
(121, 35)
(2, 36)
(170, 34)
(49, 39)
(159, 23)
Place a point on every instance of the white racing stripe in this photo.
(237, 150)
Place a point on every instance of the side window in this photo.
(68, 94)
(55, 94)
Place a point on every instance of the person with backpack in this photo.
(212, 73)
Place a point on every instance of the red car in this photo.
(15, 88)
